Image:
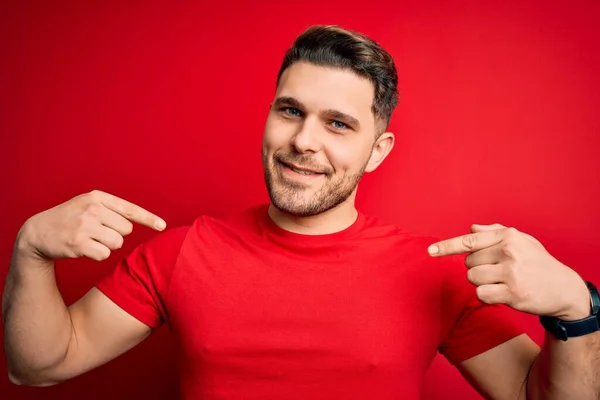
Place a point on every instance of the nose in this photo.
(308, 138)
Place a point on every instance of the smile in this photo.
(303, 172)
(291, 170)
(300, 170)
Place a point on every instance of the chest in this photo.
(249, 309)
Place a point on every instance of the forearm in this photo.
(566, 370)
(37, 324)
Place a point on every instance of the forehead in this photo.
(324, 88)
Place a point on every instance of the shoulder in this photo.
(376, 227)
(164, 246)
(242, 222)
(171, 237)
(409, 246)
(400, 237)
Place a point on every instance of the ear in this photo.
(383, 146)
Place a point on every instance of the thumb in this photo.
(485, 228)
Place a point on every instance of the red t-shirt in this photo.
(262, 313)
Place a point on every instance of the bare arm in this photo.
(512, 268)
(518, 370)
(45, 341)
(501, 373)
(37, 324)
(567, 370)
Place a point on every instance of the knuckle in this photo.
(508, 250)
(515, 291)
(469, 241)
(96, 192)
(92, 210)
(75, 240)
(95, 195)
(517, 298)
(84, 224)
(506, 274)
(518, 293)
(128, 212)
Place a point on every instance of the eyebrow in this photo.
(288, 101)
(331, 113)
(342, 117)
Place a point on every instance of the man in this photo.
(305, 298)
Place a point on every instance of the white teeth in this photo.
(302, 172)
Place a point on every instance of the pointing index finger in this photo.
(465, 243)
(132, 211)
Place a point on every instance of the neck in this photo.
(331, 221)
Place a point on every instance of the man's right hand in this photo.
(47, 342)
(89, 225)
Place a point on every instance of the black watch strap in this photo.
(568, 329)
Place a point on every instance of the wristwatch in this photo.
(568, 329)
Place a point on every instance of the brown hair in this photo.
(332, 46)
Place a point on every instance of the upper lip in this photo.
(294, 166)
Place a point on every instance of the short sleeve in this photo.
(139, 283)
(470, 327)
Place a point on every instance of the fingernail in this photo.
(160, 224)
(433, 249)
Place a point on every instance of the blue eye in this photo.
(339, 125)
(292, 111)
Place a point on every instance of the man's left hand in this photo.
(513, 268)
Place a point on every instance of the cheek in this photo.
(346, 156)
(277, 133)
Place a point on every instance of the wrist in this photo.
(25, 253)
(581, 304)
(576, 322)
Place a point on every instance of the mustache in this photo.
(302, 161)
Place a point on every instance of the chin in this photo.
(291, 203)
(298, 210)
(303, 205)
(301, 200)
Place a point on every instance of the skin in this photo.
(513, 268)
(321, 121)
(333, 134)
(46, 342)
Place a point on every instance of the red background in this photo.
(164, 105)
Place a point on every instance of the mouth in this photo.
(305, 172)
(301, 170)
